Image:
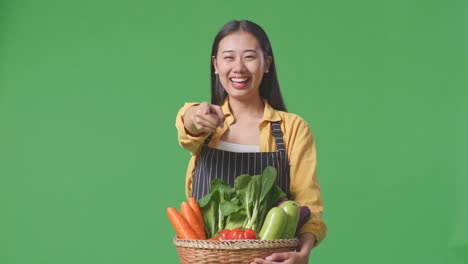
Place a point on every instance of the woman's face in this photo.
(240, 65)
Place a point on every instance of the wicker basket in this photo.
(230, 251)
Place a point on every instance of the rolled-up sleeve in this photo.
(305, 188)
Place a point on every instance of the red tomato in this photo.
(247, 233)
(236, 233)
(250, 234)
(225, 234)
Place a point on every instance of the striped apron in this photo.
(226, 165)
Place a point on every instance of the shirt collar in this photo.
(225, 107)
(269, 113)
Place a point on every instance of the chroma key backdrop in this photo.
(89, 92)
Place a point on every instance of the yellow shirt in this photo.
(300, 147)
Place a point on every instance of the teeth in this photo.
(239, 79)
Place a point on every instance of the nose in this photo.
(239, 65)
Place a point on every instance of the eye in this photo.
(250, 57)
(228, 58)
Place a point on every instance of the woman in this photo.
(246, 128)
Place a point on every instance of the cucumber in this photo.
(274, 224)
(291, 208)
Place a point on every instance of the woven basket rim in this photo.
(236, 244)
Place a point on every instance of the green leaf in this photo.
(267, 179)
(242, 181)
(219, 185)
(202, 202)
(210, 217)
(228, 208)
(275, 195)
(255, 188)
(235, 220)
(226, 192)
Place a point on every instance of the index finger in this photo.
(218, 111)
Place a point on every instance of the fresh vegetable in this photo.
(304, 213)
(240, 233)
(245, 205)
(258, 195)
(280, 201)
(291, 208)
(236, 233)
(192, 219)
(217, 206)
(181, 226)
(274, 224)
(196, 209)
(225, 234)
(249, 234)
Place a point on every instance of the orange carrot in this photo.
(191, 218)
(196, 209)
(182, 228)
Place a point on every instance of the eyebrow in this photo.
(247, 50)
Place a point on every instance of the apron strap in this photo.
(278, 134)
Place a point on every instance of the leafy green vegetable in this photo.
(235, 220)
(244, 205)
(218, 205)
(210, 216)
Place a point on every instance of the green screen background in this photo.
(89, 90)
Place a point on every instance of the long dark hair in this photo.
(269, 87)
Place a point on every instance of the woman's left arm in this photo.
(305, 190)
(304, 186)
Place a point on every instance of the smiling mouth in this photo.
(239, 80)
(239, 83)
